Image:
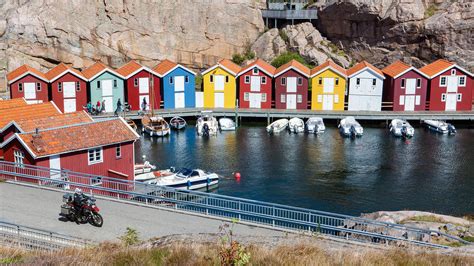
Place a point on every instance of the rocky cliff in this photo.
(195, 33)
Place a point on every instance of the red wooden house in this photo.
(291, 86)
(255, 81)
(450, 86)
(29, 83)
(405, 86)
(103, 148)
(139, 81)
(68, 88)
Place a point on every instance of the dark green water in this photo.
(430, 172)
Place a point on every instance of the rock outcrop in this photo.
(417, 31)
(303, 39)
(195, 33)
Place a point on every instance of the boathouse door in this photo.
(255, 84)
(328, 102)
(219, 99)
(30, 91)
(451, 101)
(108, 95)
(291, 101)
(255, 100)
(410, 103)
(219, 81)
(144, 93)
(69, 93)
(55, 163)
(179, 92)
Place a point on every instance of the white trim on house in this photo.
(414, 69)
(368, 69)
(25, 74)
(103, 71)
(143, 68)
(448, 68)
(64, 73)
(216, 66)
(177, 66)
(324, 69)
(288, 69)
(252, 67)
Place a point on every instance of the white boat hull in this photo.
(226, 124)
(277, 126)
(350, 127)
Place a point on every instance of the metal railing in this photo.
(14, 235)
(291, 14)
(215, 205)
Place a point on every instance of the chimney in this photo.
(37, 141)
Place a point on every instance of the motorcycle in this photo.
(86, 212)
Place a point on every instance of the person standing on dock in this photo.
(119, 107)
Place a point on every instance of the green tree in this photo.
(287, 57)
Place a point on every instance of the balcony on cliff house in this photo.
(280, 13)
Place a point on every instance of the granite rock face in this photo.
(195, 33)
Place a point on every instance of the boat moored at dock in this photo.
(278, 126)
(155, 126)
(401, 128)
(191, 179)
(296, 125)
(440, 126)
(178, 123)
(206, 124)
(349, 127)
(315, 125)
(226, 124)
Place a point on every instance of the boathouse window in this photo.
(320, 81)
(20, 87)
(442, 81)
(135, 82)
(283, 81)
(115, 83)
(38, 86)
(255, 71)
(246, 96)
(283, 98)
(264, 97)
(443, 97)
(60, 86)
(299, 98)
(186, 79)
(211, 78)
(264, 80)
(418, 83)
(227, 79)
(336, 98)
(78, 86)
(118, 151)
(453, 72)
(358, 81)
(402, 83)
(337, 81)
(459, 97)
(18, 156)
(171, 80)
(95, 156)
(98, 84)
(402, 100)
(300, 81)
(462, 81)
(320, 98)
(247, 79)
(374, 82)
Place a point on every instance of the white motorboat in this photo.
(349, 127)
(440, 126)
(206, 124)
(155, 126)
(401, 128)
(278, 126)
(315, 125)
(226, 124)
(178, 123)
(296, 125)
(182, 179)
(146, 167)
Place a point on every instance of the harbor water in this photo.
(430, 172)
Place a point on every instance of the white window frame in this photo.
(211, 78)
(299, 98)
(118, 151)
(135, 82)
(374, 82)
(453, 72)
(18, 156)
(336, 82)
(441, 81)
(403, 83)
(283, 81)
(264, 80)
(171, 79)
(78, 86)
(443, 97)
(459, 81)
(246, 96)
(98, 84)
(255, 71)
(264, 98)
(20, 87)
(418, 80)
(320, 81)
(115, 83)
(459, 97)
(97, 152)
(300, 81)
(247, 79)
(358, 81)
(38, 86)
(283, 98)
(60, 87)
(402, 100)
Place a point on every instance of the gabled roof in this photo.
(13, 103)
(29, 111)
(23, 71)
(166, 66)
(96, 69)
(260, 64)
(131, 68)
(295, 65)
(398, 68)
(225, 64)
(361, 67)
(439, 66)
(329, 64)
(61, 69)
(77, 137)
(30, 124)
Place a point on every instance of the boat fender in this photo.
(189, 184)
(237, 176)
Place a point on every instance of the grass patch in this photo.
(284, 36)
(424, 218)
(469, 238)
(248, 54)
(431, 10)
(287, 57)
(198, 82)
(469, 217)
(11, 260)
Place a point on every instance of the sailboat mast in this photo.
(152, 101)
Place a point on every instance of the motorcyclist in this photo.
(78, 200)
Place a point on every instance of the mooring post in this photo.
(268, 118)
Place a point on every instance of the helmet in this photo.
(77, 190)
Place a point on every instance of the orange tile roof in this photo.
(395, 68)
(330, 64)
(93, 70)
(295, 64)
(59, 120)
(362, 65)
(230, 66)
(61, 68)
(17, 102)
(165, 66)
(129, 68)
(29, 111)
(23, 70)
(78, 137)
(266, 67)
(436, 67)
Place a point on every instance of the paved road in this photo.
(39, 208)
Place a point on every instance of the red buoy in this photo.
(237, 176)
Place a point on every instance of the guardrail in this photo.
(290, 14)
(215, 205)
(14, 235)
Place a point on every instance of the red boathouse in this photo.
(140, 81)
(405, 86)
(291, 86)
(255, 82)
(68, 88)
(29, 83)
(450, 87)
